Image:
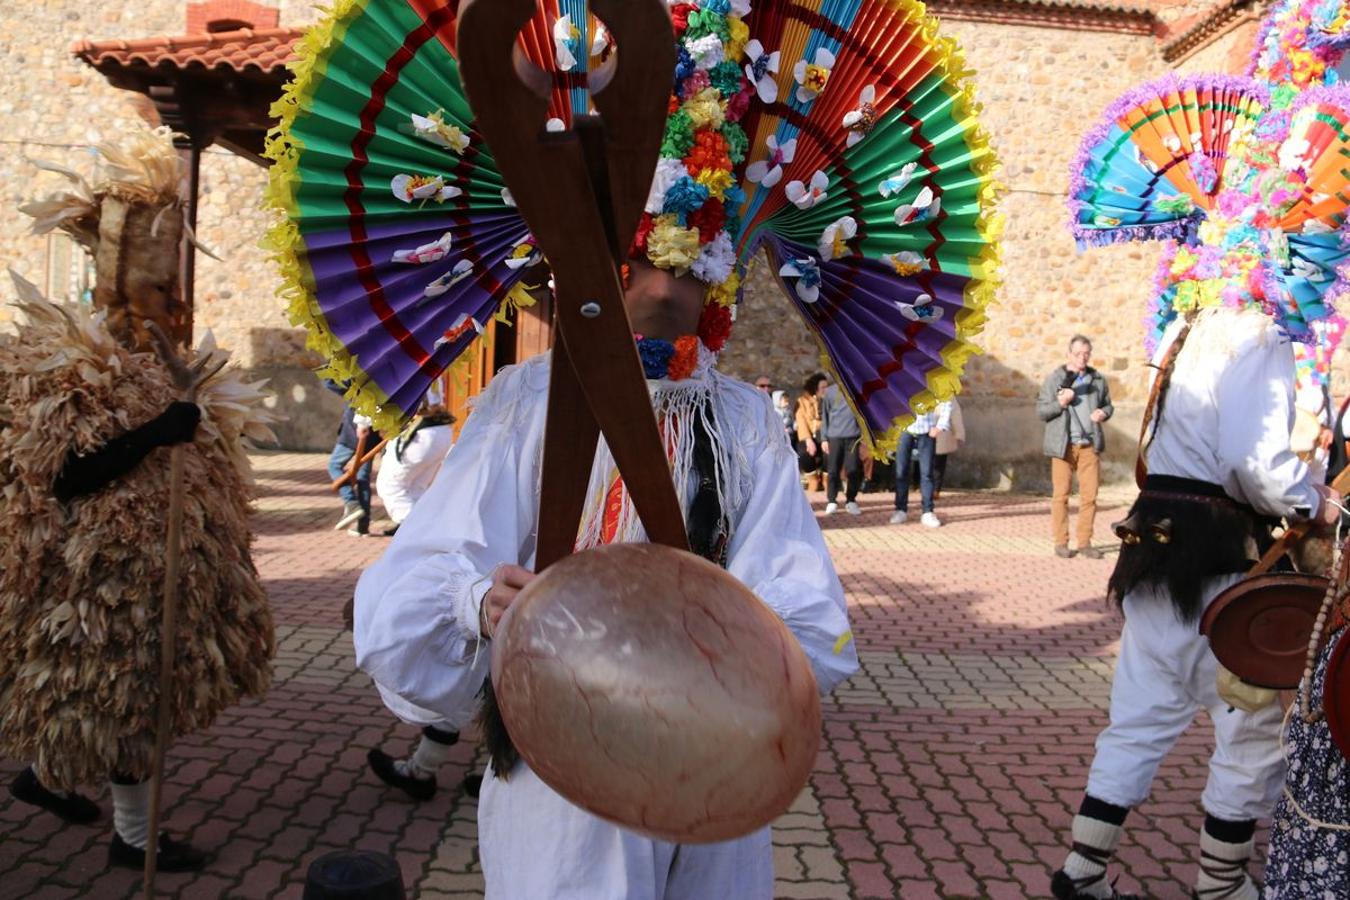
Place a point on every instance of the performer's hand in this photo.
(1098, 416)
(1065, 396)
(810, 447)
(825, 446)
(1328, 513)
(507, 583)
(934, 432)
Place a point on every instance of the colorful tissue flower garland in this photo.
(691, 220)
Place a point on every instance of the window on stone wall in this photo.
(70, 271)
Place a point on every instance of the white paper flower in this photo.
(924, 207)
(434, 129)
(507, 198)
(422, 187)
(905, 263)
(861, 120)
(1294, 154)
(833, 243)
(812, 76)
(805, 196)
(600, 40)
(921, 310)
(524, 255)
(897, 182)
(668, 171)
(555, 124)
(807, 273)
(761, 69)
(566, 38)
(707, 51)
(740, 8)
(426, 253)
(461, 271)
(769, 171)
(714, 263)
(460, 327)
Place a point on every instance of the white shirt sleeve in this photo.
(944, 416)
(778, 552)
(416, 611)
(1256, 415)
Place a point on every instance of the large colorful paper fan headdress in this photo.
(839, 137)
(1243, 178)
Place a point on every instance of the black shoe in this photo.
(1065, 888)
(73, 808)
(173, 856)
(390, 531)
(472, 784)
(382, 764)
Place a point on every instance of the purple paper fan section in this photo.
(882, 357)
(355, 319)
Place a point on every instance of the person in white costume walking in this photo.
(1220, 471)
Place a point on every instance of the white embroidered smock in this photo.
(416, 618)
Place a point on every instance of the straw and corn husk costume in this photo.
(81, 583)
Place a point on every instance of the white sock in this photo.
(1223, 869)
(131, 812)
(426, 760)
(1100, 836)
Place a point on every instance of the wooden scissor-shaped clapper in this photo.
(582, 192)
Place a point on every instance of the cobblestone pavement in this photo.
(951, 764)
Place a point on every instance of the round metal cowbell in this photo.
(651, 688)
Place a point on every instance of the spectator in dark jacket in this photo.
(1073, 403)
(842, 435)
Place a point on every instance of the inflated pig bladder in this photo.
(651, 688)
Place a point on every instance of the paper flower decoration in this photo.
(905, 263)
(807, 274)
(448, 280)
(806, 196)
(897, 182)
(434, 129)
(921, 310)
(566, 43)
(834, 239)
(769, 171)
(860, 121)
(427, 253)
(812, 76)
(761, 69)
(924, 207)
(523, 256)
(422, 187)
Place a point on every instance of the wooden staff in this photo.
(357, 461)
(187, 379)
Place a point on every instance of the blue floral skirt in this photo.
(1308, 862)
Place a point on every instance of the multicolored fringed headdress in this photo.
(1243, 178)
(838, 138)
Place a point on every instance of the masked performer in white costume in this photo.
(1220, 472)
(869, 190)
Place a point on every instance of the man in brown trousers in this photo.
(1074, 402)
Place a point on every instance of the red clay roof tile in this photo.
(265, 50)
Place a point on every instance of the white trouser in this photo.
(535, 845)
(1165, 675)
(416, 715)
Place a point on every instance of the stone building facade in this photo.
(1046, 69)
